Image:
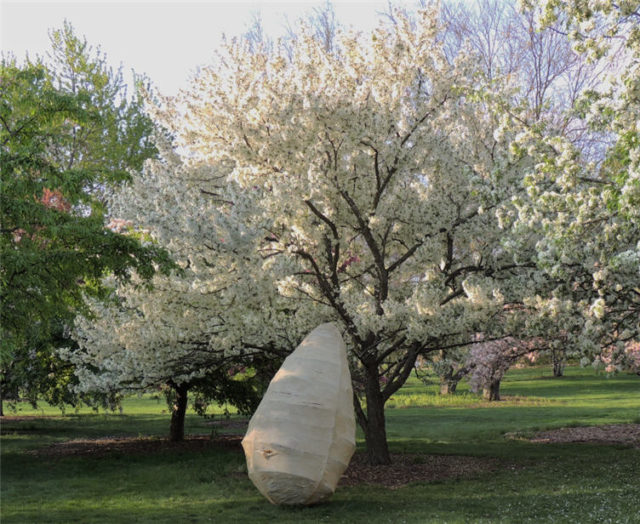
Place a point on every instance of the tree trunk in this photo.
(492, 392)
(448, 386)
(558, 364)
(178, 412)
(375, 432)
(449, 381)
(558, 369)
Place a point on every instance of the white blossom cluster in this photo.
(214, 311)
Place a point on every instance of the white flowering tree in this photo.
(372, 172)
(588, 214)
(191, 329)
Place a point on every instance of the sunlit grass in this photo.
(143, 404)
(465, 399)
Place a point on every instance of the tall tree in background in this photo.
(549, 74)
(119, 142)
(68, 133)
(320, 20)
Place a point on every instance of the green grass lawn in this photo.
(576, 483)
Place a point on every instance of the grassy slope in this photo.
(539, 483)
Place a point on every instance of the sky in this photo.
(167, 40)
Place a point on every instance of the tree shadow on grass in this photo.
(554, 483)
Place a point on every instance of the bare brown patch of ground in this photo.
(407, 468)
(236, 426)
(626, 434)
(136, 446)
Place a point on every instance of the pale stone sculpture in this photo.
(302, 436)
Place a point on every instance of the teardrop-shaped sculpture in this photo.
(302, 436)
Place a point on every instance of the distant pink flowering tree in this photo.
(490, 360)
(616, 359)
(632, 356)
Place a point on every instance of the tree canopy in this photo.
(373, 170)
(588, 211)
(63, 144)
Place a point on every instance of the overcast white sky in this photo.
(167, 40)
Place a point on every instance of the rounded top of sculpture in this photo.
(328, 330)
(326, 339)
(329, 327)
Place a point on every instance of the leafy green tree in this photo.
(120, 139)
(68, 133)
